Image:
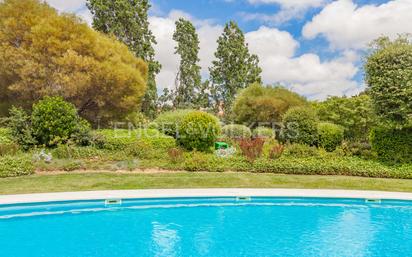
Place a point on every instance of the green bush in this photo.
(67, 151)
(169, 122)
(13, 166)
(264, 132)
(301, 151)
(55, 121)
(199, 130)
(392, 144)
(235, 131)
(20, 128)
(137, 119)
(258, 103)
(360, 149)
(9, 149)
(5, 136)
(300, 126)
(330, 136)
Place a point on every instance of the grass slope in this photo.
(118, 181)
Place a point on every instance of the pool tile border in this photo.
(221, 192)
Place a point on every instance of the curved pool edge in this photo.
(193, 193)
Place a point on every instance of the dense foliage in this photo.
(128, 21)
(389, 79)
(300, 126)
(234, 68)
(21, 129)
(355, 114)
(330, 136)
(169, 122)
(392, 144)
(55, 121)
(199, 131)
(45, 53)
(16, 165)
(236, 131)
(264, 105)
(188, 80)
(264, 132)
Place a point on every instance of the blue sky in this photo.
(314, 47)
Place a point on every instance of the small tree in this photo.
(300, 126)
(389, 78)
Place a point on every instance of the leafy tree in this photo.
(355, 114)
(265, 105)
(301, 126)
(128, 21)
(389, 78)
(234, 68)
(188, 80)
(46, 54)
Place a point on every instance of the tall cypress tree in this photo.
(188, 80)
(128, 21)
(234, 68)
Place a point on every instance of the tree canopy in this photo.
(188, 80)
(355, 114)
(128, 21)
(234, 68)
(389, 79)
(259, 104)
(43, 53)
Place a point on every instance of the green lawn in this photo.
(113, 181)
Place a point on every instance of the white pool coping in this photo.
(223, 192)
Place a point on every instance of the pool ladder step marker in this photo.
(373, 201)
(243, 199)
(110, 202)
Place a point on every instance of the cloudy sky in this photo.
(314, 47)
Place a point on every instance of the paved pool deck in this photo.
(222, 192)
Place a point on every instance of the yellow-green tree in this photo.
(43, 53)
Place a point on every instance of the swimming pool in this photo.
(217, 226)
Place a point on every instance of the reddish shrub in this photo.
(251, 148)
(276, 152)
(175, 155)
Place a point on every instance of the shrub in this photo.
(175, 155)
(199, 130)
(251, 148)
(300, 126)
(235, 131)
(13, 166)
(67, 151)
(264, 132)
(361, 149)
(55, 121)
(169, 122)
(137, 119)
(301, 151)
(257, 104)
(276, 152)
(8, 149)
(20, 128)
(5, 136)
(392, 144)
(330, 136)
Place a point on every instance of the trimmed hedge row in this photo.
(392, 145)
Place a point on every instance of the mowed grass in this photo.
(119, 181)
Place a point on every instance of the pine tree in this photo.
(128, 21)
(188, 80)
(234, 68)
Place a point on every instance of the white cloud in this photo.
(346, 25)
(289, 9)
(76, 6)
(305, 74)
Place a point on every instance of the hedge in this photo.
(236, 131)
(330, 136)
(392, 144)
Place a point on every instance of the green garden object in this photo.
(221, 145)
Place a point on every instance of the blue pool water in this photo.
(208, 227)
